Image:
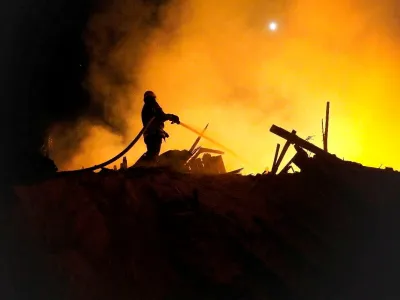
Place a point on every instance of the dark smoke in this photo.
(48, 50)
(43, 64)
(111, 25)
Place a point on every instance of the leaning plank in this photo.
(276, 155)
(235, 171)
(196, 142)
(282, 155)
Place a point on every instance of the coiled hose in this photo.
(118, 156)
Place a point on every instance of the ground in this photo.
(157, 234)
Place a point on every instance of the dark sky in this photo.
(43, 62)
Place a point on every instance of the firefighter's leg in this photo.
(153, 144)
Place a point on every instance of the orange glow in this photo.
(213, 62)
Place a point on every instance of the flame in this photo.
(213, 62)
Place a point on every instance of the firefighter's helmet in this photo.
(149, 94)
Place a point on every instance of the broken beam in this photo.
(278, 146)
(294, 139)
(283, 153)
(196, 142)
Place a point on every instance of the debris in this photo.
(287, 167)
(213, 164)
(276, 156)
(326, 131)
(210, 140)
(235, 171)
(191, 150)
(292, 138)
(301, 158)
(124, 163)
(282, 155)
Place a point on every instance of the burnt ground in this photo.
(155, 234)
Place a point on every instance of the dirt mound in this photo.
(154, 234)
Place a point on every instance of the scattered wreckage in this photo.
(318, 158)
(197, 160)
(200, 160)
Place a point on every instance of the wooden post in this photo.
(276, 155)
(326, 127)
(282, 155)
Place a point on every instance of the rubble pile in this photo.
(308, 155)
(158, 234)
(188, 229)
(196, 160)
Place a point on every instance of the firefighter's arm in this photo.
(166, 117)
(172, 118)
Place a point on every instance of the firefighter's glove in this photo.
(175, 119)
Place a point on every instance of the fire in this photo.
(212, 63)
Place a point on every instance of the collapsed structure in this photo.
(318, 157)
(197, 159)
(155, 234)
(201, 160)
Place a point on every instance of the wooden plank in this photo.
(235, 171)
(196, 142)
(294, 139)
(276, 155)
(213, 151)
(283, 153)
(201, 151)
(194, 156)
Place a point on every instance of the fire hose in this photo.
(118, 156)
(136, 139)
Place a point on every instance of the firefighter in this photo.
(155, 134)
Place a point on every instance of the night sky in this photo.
(43, 64)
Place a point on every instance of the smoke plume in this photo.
(218, 62)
